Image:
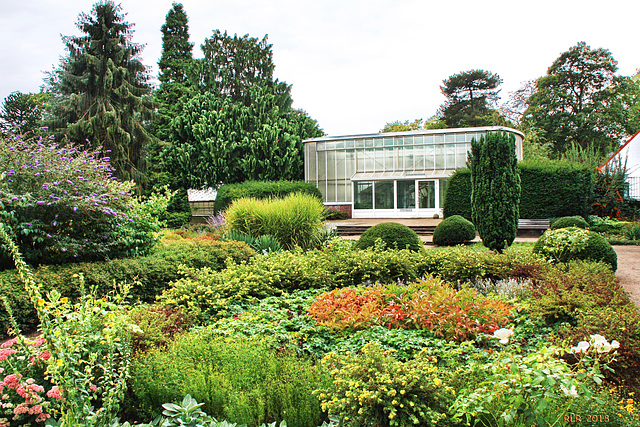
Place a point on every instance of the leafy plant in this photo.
(569, 243)
(393, 235)
(570, 221)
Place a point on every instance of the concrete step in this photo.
(355, 230)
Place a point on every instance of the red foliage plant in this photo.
(427, 304)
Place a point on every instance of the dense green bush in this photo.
(566, 244)
(238, 379)
(550, 189)
(553, 189)
(393, 235)
(295, 220)
(62, 205)
(453, 230)
(457, 199)
(227, 193)
(149, 275)
(570, 221)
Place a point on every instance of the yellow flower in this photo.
(437, 381)
(402, 391)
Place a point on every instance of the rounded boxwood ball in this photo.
(453, 230)
(596, 247)
(394, 236)
(570, 221)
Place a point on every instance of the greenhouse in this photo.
(391, 175)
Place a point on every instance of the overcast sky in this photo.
(354, 65)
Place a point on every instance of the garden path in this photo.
(629, 270)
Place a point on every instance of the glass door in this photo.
(426, 194)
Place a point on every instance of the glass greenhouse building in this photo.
(391, 175)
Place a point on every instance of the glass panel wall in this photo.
(427, 194)
(363, 193)
(383, 195)
(406, 194)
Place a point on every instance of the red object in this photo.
(599, 168)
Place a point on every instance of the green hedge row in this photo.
(550, 189)
(150, 275)
(261, 190)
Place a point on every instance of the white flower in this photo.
(615, 344)
(572, 392)
(598, 340)
(582, 347)
(503, 335)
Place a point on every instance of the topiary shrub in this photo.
(570, 243)
(393, 235)
(453, 231)
(570, 221)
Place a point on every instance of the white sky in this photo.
(354, 64)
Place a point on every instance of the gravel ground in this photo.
(629, 270)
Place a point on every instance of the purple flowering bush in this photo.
(63, 204)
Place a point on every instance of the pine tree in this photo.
(470, 95)
(101, 88)
(495, 194)
(176, 64)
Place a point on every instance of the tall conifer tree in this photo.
(495, 189)
(103, 84)
(176, 65)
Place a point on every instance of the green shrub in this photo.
(332, 214)
(227, 193)
(632, 231)
(295, 220)
(570, 221)
(453, 230)
(238, 379)
(570, 243)
(374, 388)
(393, 235)
(159, 325)
(149, 275)
(457, 199)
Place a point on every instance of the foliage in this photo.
(332, 215)
(295, 220)
(149, 275)
(159, 325)
(418, 124)
(238, 379)
(374, 388)
(88, 346)
(570, 221)
(428, 304)
(100, 90)
(63, 205)
(262, 244)
(453, 230)
(581, 101)
(176, 65)
(632, 231)
(470, 95)
(227, 193)
(495, 195)
(393, 235)
(565, 244)
(24, 110)
(609, 190)
(457, 200)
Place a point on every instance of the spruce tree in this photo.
(176, 65)
(495, 194)
(101, 89)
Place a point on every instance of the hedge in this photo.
(550, 189)
(152, 274)
(227, 193)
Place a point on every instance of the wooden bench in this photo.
(529, 226)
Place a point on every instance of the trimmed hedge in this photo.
(394, 236)
(227, 193)
(550, 189)
(570, 221)
(152, 274)
(457, 200)
(453, 230)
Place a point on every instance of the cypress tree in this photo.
(495, 194)
(176, 65)
(103, 86)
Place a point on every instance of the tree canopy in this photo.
(22, 109)
(581, 101)
(100, 90)
(470, 98)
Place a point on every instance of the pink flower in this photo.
(36, 388)
(22, 408)
(12, 381)
(35, 410)
(54, 393)
(8, 343)
(6, 352)
(42, 417)
(38, 342)
(93, 388)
